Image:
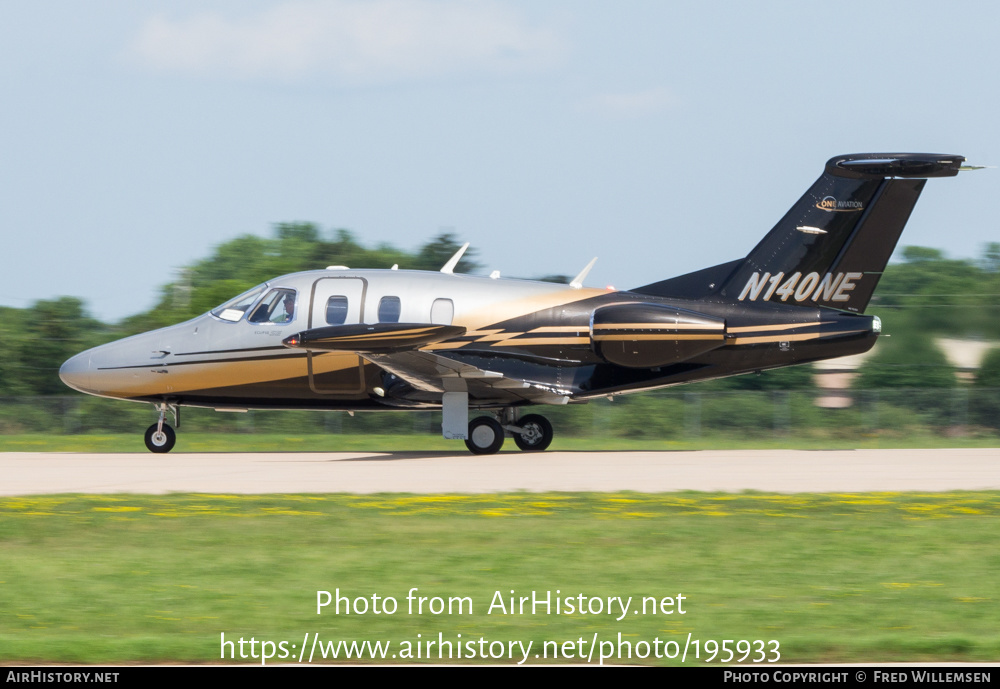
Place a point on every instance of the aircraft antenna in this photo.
(449, 267)
(577, 282)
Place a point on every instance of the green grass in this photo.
(264, 442)
(833, 578)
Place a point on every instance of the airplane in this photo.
(379, 340)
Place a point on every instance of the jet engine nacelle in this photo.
(645, 335)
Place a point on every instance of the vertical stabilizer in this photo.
(830, 249)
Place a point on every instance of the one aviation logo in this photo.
(811, 287)
(832, 205)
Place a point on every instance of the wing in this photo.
(395, 347)
(436, 373)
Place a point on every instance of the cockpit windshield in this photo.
(234, 309)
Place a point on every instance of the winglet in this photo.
(577, 282)
(449, 267)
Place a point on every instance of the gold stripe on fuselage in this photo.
(664, 337)
(532, 341)
(490, 335)
(369, 337)
(778, 326)
(798, 337)
(659, 326)
(560, 329)
(444, 345)
(206, 374)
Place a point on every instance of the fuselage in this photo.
(570, 344)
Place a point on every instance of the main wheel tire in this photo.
(537, 433)
(485, 436)
(162, 441)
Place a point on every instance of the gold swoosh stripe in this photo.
(661, 338)
(213, 374)
(659, 326)
(560, 329)
(376, 336)
(516, 342)
(498, 336)
(779, 326)
(791, 338)
(444, 345)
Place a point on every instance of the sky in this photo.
(661, 137)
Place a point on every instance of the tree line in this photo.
(36, 340)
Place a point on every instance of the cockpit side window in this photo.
(278, 306)
(234, 309)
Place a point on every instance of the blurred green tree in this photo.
(435, 253)
(49, 332)
(988, 375)
(913, 361)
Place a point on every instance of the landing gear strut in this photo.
(160, 437)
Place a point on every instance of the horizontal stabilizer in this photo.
(903, 165)
(648, 335)
(376, 337)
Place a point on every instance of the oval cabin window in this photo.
(388, 310)
(336, 310)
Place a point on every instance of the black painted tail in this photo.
(830, 249)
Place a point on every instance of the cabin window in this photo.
(388, 310)
(278, 306)
(442, 311)
(336, 310)
(234, 309)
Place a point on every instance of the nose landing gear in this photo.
(160, 437)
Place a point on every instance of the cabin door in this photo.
(336, 301)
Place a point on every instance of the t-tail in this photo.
(831, 248)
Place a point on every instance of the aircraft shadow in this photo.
(400, 456)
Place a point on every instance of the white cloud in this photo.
(353, 41)
(633, 103)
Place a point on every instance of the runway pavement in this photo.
(783, 471)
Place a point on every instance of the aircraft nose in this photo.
(76, 372)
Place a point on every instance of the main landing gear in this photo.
(160, 437)
(485, 436)
(535, 435)
(531, 433)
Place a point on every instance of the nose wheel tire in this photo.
(485, 436)
(160, 441)
(537, 433)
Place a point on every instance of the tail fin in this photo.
(830, 249)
